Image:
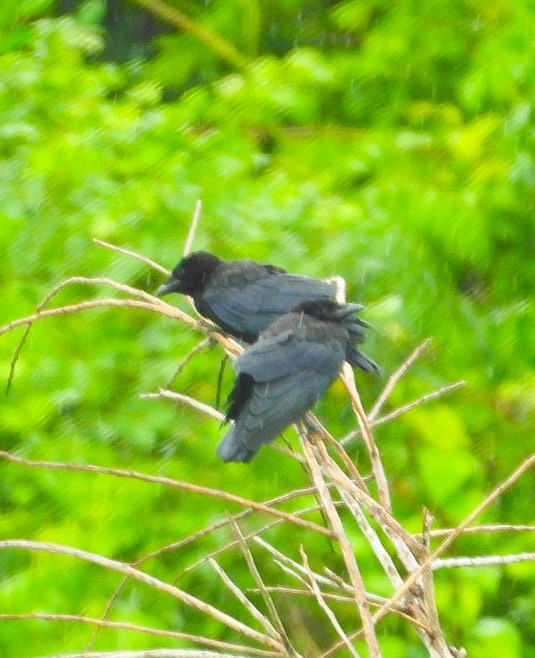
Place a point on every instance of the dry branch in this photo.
(482, 561)
(526, 465)
(323, 605)
(339, 487)
(282, 636)
(345, 546)
(169, 482)
(120, 625)
(128, 570)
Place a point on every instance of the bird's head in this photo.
(190, 275)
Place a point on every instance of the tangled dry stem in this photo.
(341, 491)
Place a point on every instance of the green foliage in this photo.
(390, 143)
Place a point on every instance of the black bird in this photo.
(242, 296)
(287, 370)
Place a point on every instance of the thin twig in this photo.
(159, 632)
(198, 347)
(223, 522)
(186, 400)
(123, 567)
(346, 548)
(193, 227)
(54, 291)
(250, 607)
(153, 653)
(133, 254)
(421, 400)
(337, 598)
(482, 561)
(394, 378)
(229, 545)
(411, 580)
(348, 377)
(170, 312)
(503, 527)
(434, 639)
(169, 482)
(282, 635)
(323, 605)
(374, 599)
(406, 407)
(293, 574)
(296, 570)
(209, 411)
(156, 305)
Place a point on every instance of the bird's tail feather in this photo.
(356, 358)
(231, 448)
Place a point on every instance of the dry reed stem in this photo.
(500, 527)
(394, 378)
(169, 482)
(392, 528)
(313, 422)
(248, 605)
(348, 377)
(186, 400)
(153, 653)
(323, 605)
(434, 639)
(198, 347)
(132, 254)
(418, 607)
(124, 568)
(372, 537)
(373, 599)
(193, 228)
(427, 397)
(346, 548)
(282, 635)
(482, 561)
(411, 580)
(120, 625)
(406, 557)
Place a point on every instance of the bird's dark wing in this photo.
(284, 354)
(279, 378)
(246, 307)
(270, 409)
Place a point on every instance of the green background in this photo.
(389, 143)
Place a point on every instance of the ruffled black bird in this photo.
(243, 297)
(287, 370)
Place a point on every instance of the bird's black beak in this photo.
(171, 285)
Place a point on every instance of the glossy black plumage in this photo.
(287, 370)
(243, 297)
